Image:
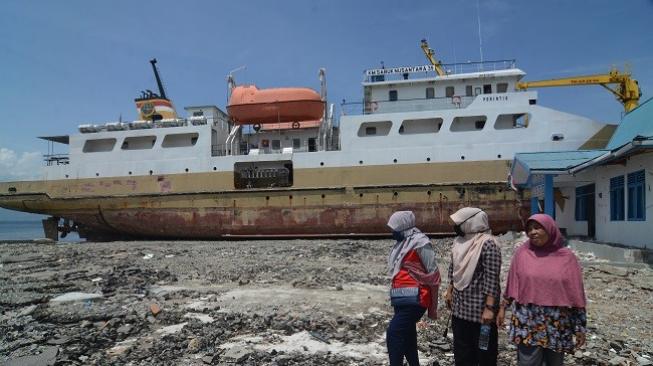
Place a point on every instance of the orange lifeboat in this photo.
(250, 105)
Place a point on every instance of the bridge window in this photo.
(469, 92)
(449, 92)
(469, 123)
(180, 140)
(276, 145)
(430, 93)
(487, 89)
(510, 121)
(98, 145)
(502, 87)
(393, 95)
(138, 143)
(417, 126)
(296, 143)
(381, 128)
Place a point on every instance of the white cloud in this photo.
(19, 166)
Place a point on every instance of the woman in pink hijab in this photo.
(546, 295)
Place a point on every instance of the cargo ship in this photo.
(281, 163)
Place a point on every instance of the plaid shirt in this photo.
(469, 303)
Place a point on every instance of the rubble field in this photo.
(297, 302)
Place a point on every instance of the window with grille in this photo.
(636, 196)
(583, 196)
(617, 203)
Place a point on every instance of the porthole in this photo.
(323, 196)
(428, 192)
(321, 163)
(360, 195)
(428, 159)
(267, 198)
(97, 174)
(215, 168)
(396, 194)
(395, 160)
(462, 157)
(499, 156)
(130, 173)
(290, 196)
(360, 162)
(186, 170)
(66, 175)
(151, 172)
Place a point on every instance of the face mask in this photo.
(398, 235)
(458, 230)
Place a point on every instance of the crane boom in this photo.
(627, 90)
(430, 54)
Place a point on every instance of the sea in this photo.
(28, 230)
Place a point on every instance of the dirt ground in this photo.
(299, 302)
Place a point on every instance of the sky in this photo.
(66, 63)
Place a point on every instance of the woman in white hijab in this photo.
(474, 288)
(415, 282)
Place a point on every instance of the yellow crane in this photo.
(430, 54)
(627, 89)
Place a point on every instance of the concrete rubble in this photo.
(297, 302)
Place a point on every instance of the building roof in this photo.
(555, 162)
(635, 133)
(638, 122)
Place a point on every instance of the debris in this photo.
(148, 256)
(155, 309)
(76, 296)
(48, 356)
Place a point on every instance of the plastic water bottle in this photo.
(484, 337)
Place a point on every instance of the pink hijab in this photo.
(548, 275)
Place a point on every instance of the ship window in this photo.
(487, 89)
(416, 126)
(198, 114)
(510, 121)
(296, 143)
(469, 123)
(469, 91)
(138, 143)
(393, 95)
(98, 145)
(381, 128)
(449, 92)
(180, 140)
(477, 90)
(276, 145)
(502, 87)
(430, 93)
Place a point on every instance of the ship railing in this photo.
(56, 159)
(405, 73)
(405, 105)
(143, 124)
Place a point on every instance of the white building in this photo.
(602, 194)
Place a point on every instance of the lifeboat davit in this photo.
(251, 105)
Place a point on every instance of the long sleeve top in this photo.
(469, 303)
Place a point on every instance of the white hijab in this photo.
(467, 249)
(404, 221)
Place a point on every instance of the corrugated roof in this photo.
(557, 160)
(638, 122)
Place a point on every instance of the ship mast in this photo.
(162, 92)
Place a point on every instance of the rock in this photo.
(641, 361)
(617, 361)
(125, 329)
(75, 296)
(193, 345)
(48, 356)
(236, 354)
(209, 359)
